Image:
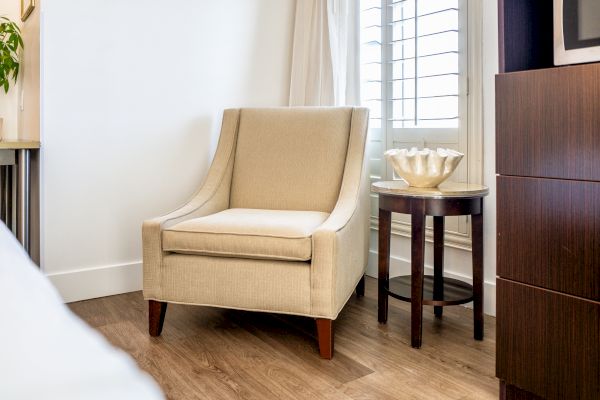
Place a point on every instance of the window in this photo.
(415, 69)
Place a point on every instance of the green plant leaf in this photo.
(10, 44)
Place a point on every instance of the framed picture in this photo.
(27, 7)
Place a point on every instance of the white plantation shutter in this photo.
(372, 88)
(414, 80)
(423, 63)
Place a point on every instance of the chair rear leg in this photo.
(360, 287)
(325, 337)
(156, 316)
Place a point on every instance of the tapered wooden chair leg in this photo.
(360, 288)
(325, 336)
(156, 316)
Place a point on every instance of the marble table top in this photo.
(443, 191)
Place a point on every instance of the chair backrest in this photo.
(290, 158)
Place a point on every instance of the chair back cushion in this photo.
(290, 158)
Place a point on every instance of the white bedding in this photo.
(46, 352)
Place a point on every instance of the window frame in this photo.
(471, 113)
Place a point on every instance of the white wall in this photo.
(457, 263)
(9, 101)
(490, 69)
(29, 81)
(23, 123)
(132, 96)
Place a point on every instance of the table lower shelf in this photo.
(455, 291)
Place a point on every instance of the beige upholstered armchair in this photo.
(281, 223)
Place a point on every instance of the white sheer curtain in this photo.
(325, 54)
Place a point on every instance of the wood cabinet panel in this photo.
(547, 343)
(548, 234)
(548, 123)
(510, 392)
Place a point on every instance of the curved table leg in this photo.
(438, 263)
(385, 226)
(477, 230)
(417, 264)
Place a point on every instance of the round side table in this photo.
(448, 199)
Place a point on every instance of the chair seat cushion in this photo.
(247, 233)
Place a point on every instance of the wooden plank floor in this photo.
(207, 353)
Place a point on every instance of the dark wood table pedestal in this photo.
(417, 288)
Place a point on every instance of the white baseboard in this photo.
(102, 281)
(400, 266)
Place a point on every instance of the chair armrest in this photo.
(212, 197)
(207, 201)
(341, 243)
(340, 254)
(343, 213)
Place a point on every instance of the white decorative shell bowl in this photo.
(423, 168)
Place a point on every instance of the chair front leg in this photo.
(325, 337)
(156, 316)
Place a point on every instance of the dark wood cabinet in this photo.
(547, 342)
(548, 214)
(548, 234)
(550, 123)
(525, 34)
(514, 393)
